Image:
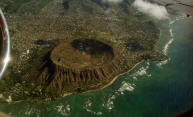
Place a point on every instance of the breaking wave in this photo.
(165, 50)
(167, 45)
(88, 107)
(30, 111)
(126, 87)
(64, 110)
(109, 104)
(142, 71)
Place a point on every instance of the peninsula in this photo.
(76, 49)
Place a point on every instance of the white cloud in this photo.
(151, 9)
(113, 1)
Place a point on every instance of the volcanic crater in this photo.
(82, 54)
(79, 65)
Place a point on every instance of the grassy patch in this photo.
(13, 6)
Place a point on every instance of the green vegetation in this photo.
(14, 6)
(42, 4)
(98, 55)
(135, 36)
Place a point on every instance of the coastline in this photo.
(88, 91)
(108, 84)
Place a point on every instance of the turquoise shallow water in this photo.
(150, 90)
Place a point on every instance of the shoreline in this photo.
(108, 84)
(89, 91)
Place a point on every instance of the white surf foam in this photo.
(63, 109)
(109, 104)
(88, 107)
(167, 45)
(165, 50)
(142, 71)
(31, 111)
(126, 87)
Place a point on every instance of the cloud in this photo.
(112, 1)
(151, 9)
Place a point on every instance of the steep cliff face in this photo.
(79, 65)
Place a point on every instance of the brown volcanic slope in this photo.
(79, 65)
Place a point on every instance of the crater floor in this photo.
(82, 53)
